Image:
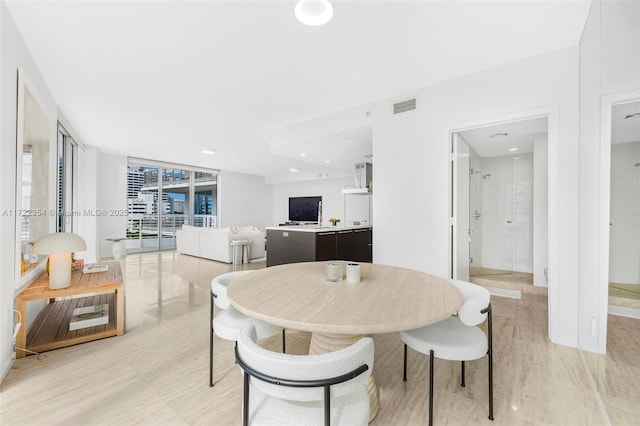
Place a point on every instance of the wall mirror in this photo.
(33, 184)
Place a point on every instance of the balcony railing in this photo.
(143, 230)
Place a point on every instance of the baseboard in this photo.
(258, 259)
(5, 370)
(503, 292)
(624, 311)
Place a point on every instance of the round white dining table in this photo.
(387, 299)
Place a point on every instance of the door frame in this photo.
(606, 105)
(552, 113)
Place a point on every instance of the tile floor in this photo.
(157, 373)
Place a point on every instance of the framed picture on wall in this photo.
(35, 177)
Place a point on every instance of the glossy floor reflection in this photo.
(157, 373)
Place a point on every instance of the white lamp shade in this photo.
(314, 12)
(59, 242)
(59, 247)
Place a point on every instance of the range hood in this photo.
(356, 191)
(363, 179)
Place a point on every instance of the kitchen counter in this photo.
(316, 228)
(310, 243)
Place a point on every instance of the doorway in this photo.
(501, 198)
(624, 220)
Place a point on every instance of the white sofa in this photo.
(215, 244)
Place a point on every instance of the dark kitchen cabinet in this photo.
(292, 246)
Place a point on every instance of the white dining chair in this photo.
(456, 338)
(283, 389)
(228, 323)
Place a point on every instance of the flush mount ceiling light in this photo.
(513, 149)
(313, 12)
(208, 151)
(499, 135)
(293, 170)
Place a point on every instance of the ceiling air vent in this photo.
(404, 106)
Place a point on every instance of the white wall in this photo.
(624, 245)
(411, 184)
(86, 224)
(245, 200)
(545, 81)
(14, 55)
(333, 201)
(609, 64)
(112, 199)
(590, 64)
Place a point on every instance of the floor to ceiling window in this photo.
(67, 174)
(162, 197)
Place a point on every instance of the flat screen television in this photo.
(304, 209)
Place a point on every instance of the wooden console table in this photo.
(50, 330)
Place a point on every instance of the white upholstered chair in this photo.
(228, 323)
(283, 389)
(456, 338)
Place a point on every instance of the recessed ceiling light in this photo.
(327, 161)
(516, 158)
(635, 114)
(313, 12)
(513, 149)
(499, 135)
(293, 169)
(304, 154)
(208, 151)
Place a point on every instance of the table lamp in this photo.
(59, 247)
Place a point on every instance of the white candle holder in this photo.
(333, 272)
(353, 272)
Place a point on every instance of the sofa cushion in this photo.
(243, 229)
(190, 228)
(218, 231)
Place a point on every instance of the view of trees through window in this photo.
(162, 198)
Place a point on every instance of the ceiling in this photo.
(517, 137)
(625, 130)
(166, 79)
(511, 138)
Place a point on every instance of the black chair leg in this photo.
(245, 404)
(211, 345)
(462, 383)
(327, 406)
(490, 353)
(284, 343)
(431, 387)
(404, 376)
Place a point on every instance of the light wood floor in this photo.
(511, 280)
(157, 373)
